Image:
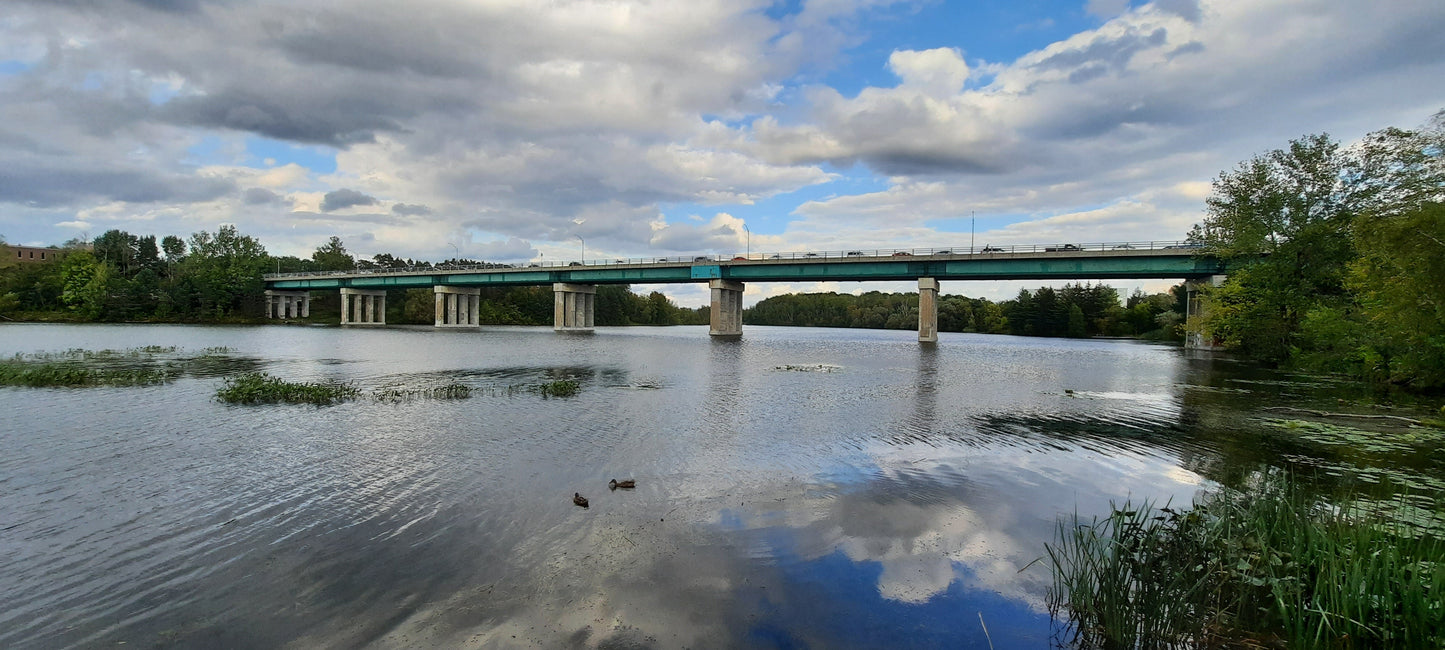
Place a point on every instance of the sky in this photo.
(543, 130)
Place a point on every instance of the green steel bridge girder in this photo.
(1117, 267)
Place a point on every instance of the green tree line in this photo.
(1337, 257)
(1076, 310)
(213, 277)
(210, 276)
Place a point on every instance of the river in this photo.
(798, 488)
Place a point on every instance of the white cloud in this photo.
(510, 120)
(939, 72)
(1163, 96)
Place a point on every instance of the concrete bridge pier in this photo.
(367, 308)
(927, 310)
(1195, 338)
(574, 307)
(457, 306)
(288, 304)
(727, 309)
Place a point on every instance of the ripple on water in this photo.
(908, 479)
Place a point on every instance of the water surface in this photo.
(798, 488)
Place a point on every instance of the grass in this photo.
(559, 388)
(71, 374)
(449, 391)
(80, 368)
(260, 388)
(1262, 569)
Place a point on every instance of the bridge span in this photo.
(458, 288)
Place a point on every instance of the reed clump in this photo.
(559, 388)
(69, 374)
(261, 388)
(1260, 569)
(449, 391)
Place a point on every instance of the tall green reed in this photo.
(1249, 569)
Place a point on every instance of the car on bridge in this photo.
(992, 249)
(903, 254)
(853, 254)
(1062, 248)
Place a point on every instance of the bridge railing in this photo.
(952, 252)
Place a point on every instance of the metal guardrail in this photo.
(859, 254)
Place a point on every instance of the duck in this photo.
(628, 483)
(579, 499)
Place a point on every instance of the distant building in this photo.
(11, 255)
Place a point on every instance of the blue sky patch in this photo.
(262, 151)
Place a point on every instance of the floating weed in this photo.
(559, 388)
(1408, 515)
(811, 367)
(260, 388)
(69, 374)
(450, 391)
(152, 364)
(1335, 435)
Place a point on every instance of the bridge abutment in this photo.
(1195, 336)
(727, 309)
(927, 310)
(574, 307)
(457, 306)
(363, 306)
(288, 304)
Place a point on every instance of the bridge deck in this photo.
(1148, 260)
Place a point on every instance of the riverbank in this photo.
(1269, 566)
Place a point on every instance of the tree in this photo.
(1396, 171)
(174, 248)
(225, 269)
(86, 284)
(1292, 207)
(147, 255)
(1397, 278)
(332, 256)
(117, 248)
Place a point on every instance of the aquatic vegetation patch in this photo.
(810, 367)
(1255, 569)
(449, 391)
(69, 374)
(140, 366)
(261, 388)
(559, 388)
(1384, 441)
(1416, 481)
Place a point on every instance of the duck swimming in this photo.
(628, 483)
(579, 499)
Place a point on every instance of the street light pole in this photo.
(750, 240)
(970, 231)
(584, 247)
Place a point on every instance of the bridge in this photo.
(458, 288)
